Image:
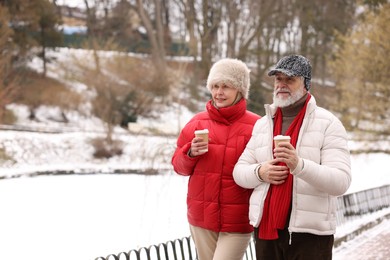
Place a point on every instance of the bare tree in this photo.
(92, 20)
(319, 22)
(202, 20)
(122, 87)
(150, 13)
(8, 86)
(91, 72)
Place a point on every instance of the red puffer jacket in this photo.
(214, 200)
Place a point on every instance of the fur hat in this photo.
(292, 66)
(231, 72)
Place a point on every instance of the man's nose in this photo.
(280, 83)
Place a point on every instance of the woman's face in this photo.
(223, 95)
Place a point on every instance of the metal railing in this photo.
(178, 249)
(354, 205)
(349, 207)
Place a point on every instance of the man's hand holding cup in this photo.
(285, 152)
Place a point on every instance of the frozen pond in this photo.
(81, 217)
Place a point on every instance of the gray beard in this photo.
(279, 102)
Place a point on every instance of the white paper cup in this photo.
(205, 136)
(281, 138)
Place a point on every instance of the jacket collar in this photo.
(227, 115)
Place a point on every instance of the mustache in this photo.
(282, 90)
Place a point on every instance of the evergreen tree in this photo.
(34, 24)
(48, 34)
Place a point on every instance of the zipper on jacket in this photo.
(271, 125)
(301, 132)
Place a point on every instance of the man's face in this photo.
(288, 90)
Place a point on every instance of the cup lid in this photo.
(282, 137)
(203, 131)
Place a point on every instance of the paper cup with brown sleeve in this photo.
(205, 136)
(281, 138)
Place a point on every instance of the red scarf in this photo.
(278, 200)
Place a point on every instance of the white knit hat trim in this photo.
(232, 72)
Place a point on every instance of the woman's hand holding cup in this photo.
(200, 143)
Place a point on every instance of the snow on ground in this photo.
(81, 217)
(69, 146)
(368, 171)
(359, 223)
(372, 244)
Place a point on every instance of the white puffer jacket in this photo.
(326, 173)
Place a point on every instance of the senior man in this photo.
(293, 205)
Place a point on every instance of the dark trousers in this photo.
(304, 246)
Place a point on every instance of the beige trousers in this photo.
(212, 245)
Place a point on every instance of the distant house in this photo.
(73, 16)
